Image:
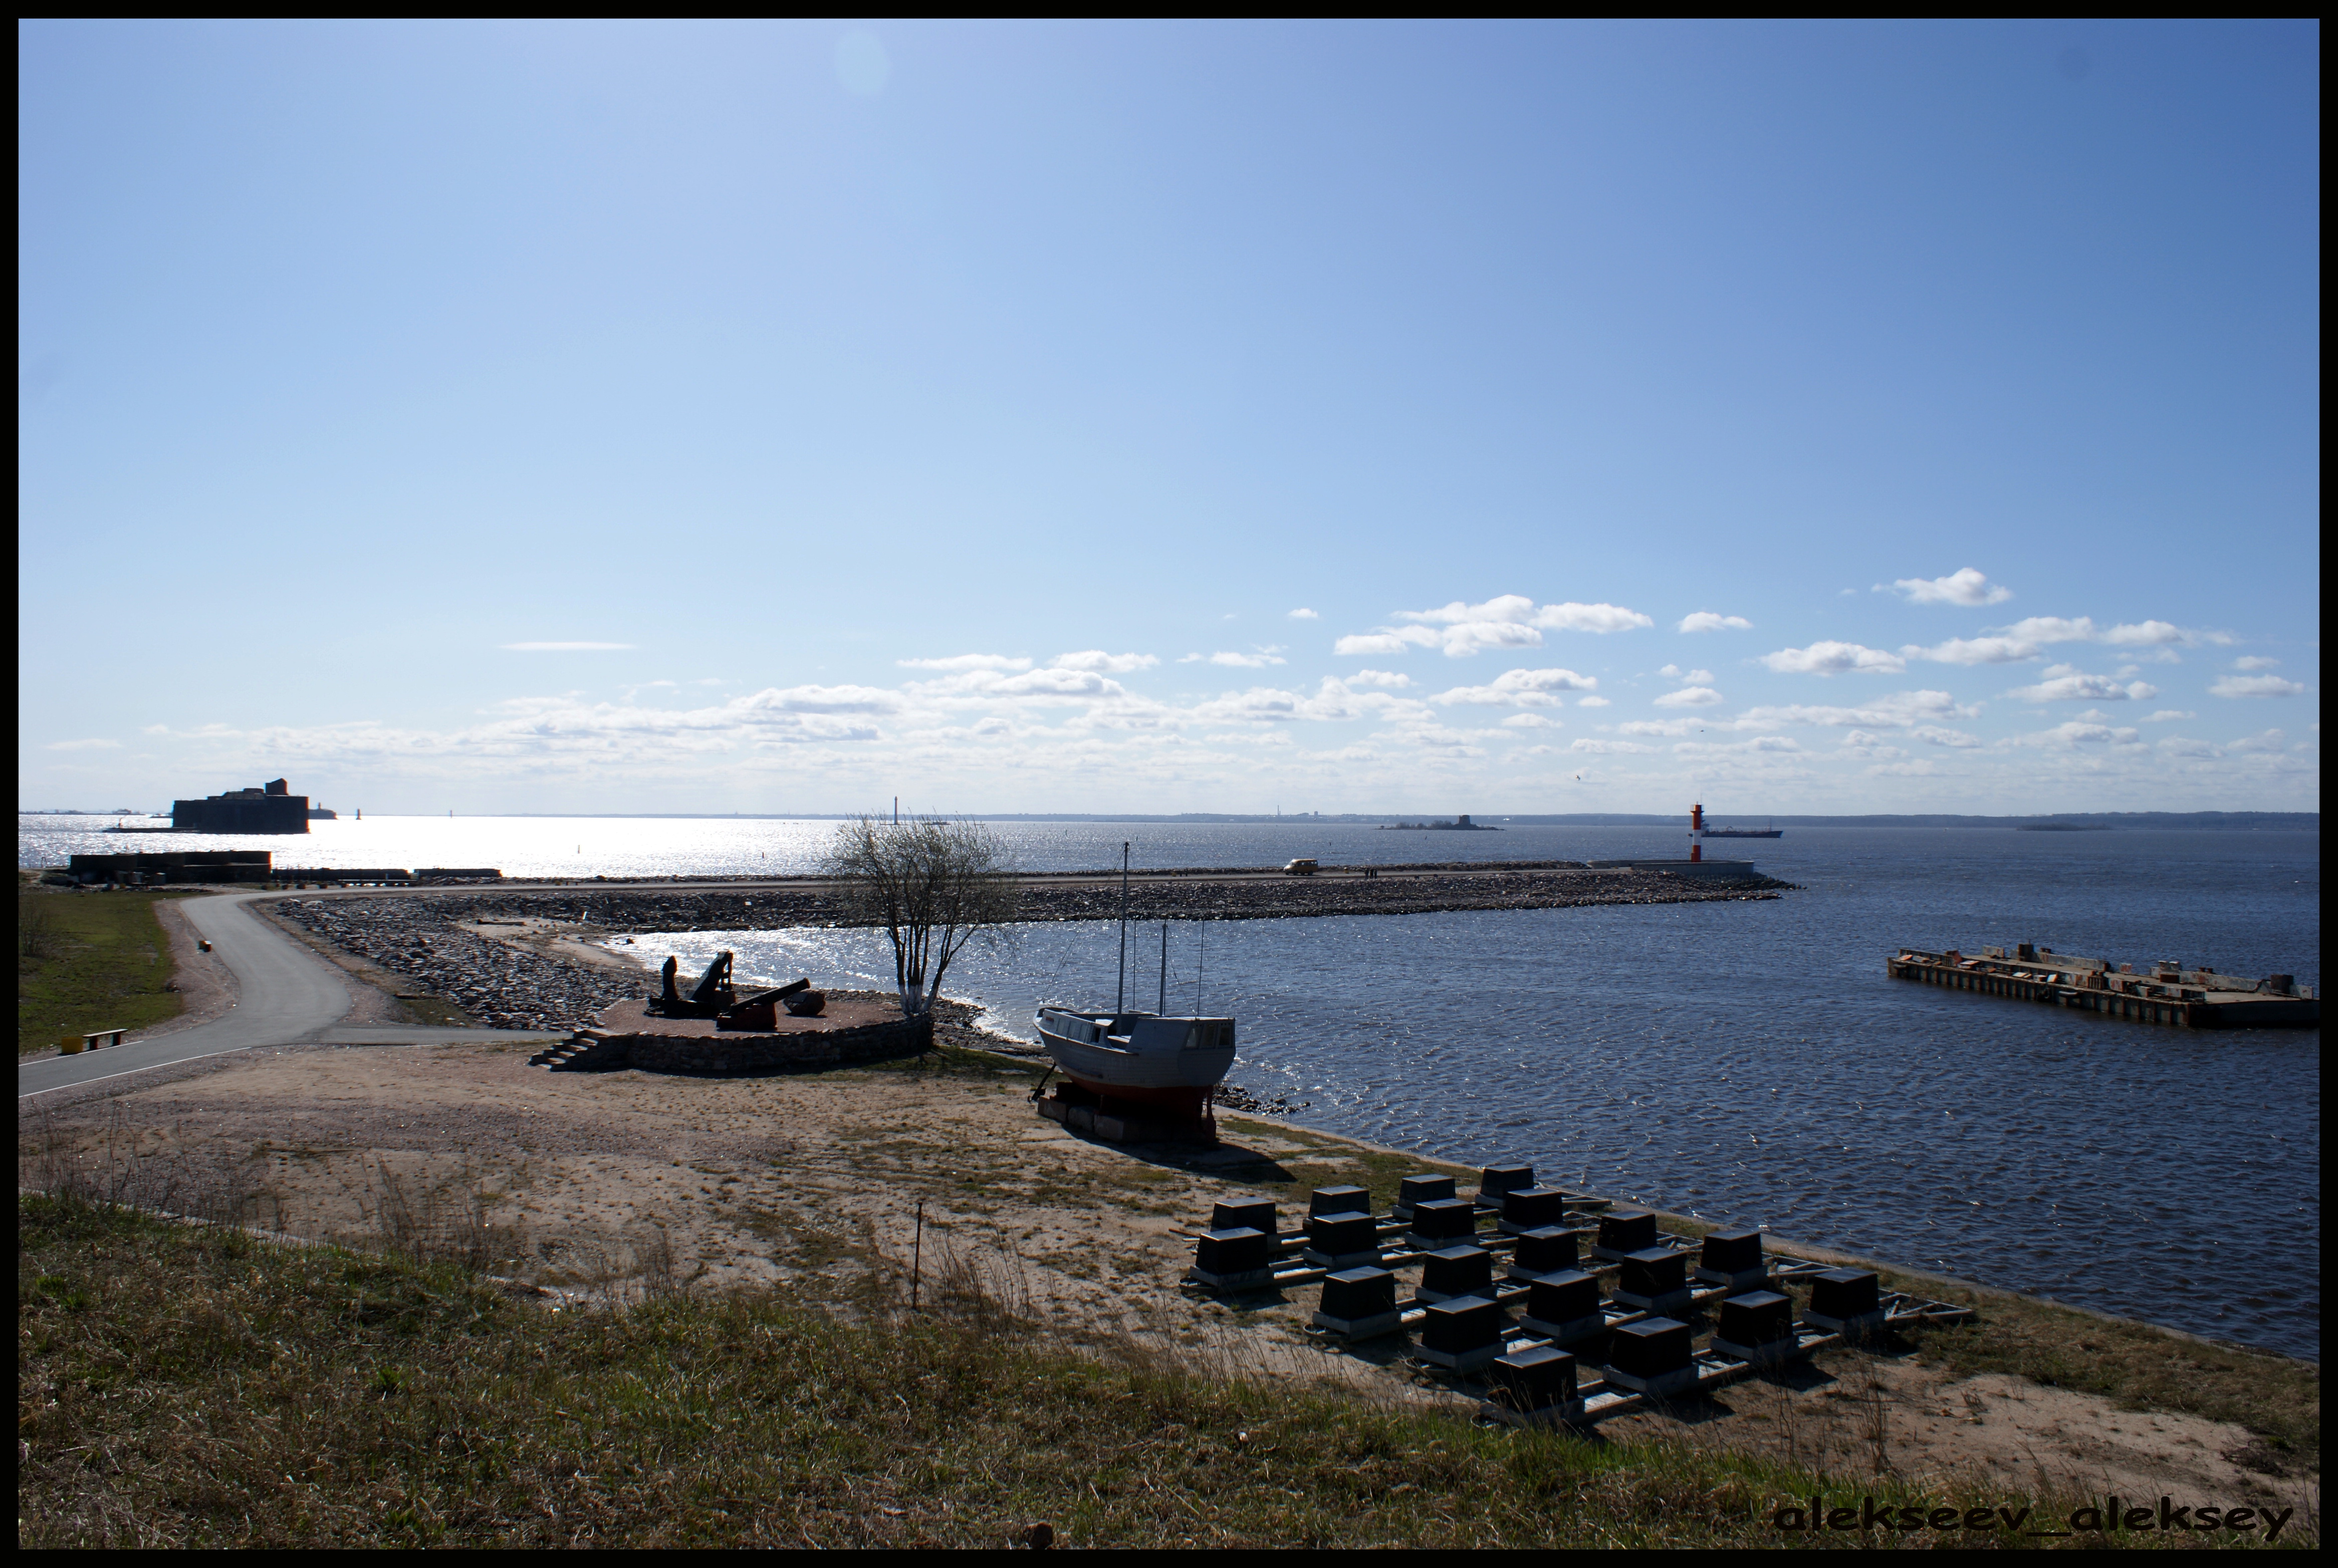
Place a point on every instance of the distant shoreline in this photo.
(2172, 821)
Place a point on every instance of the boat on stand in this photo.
(1130, 1075)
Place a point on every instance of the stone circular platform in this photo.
(848, 1032)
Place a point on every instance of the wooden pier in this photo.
(2167, 993)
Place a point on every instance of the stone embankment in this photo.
(494, 983)
(417, 936)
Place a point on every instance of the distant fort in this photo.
(1459, 825)
(270, 808)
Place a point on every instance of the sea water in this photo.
(1745, 1062)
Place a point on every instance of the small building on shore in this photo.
(176, 866)
(272, 808)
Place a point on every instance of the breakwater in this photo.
(421, 938)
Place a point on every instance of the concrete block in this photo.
(1345, 1240)
(1564, 1306)
(1532, 1382)
(1623, 1231)
(1339, 1201)
(1547, 1249)
(1421, 1189)
(1442, 1222)
(1462, 1335)
(1653, 1279)
(1846, 1301)
(1493, 1181)
(1653, 1356)
(1359, 1303)
(1456, 1271)
(1733, 1259)
(1234, 1213)
(1532, 1209)
(1756, 1318)
(1239, 1251)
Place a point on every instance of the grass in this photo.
(190, 1386)
(90, 961)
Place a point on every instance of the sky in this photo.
(1170, 418)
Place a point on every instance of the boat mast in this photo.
(1161, 1008)
(1202, 940)
(1121, 1005)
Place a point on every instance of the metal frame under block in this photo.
(1608, 1319)
(1859, 1326)
(1598, 1404)
(1901, 1310)
(1705, 1372)
(1805, 1342)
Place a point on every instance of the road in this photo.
(289, 995)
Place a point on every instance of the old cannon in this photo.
(711, 996)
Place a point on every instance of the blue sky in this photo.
(1031, 417)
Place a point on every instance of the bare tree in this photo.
(934, 886)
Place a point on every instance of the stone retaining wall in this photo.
(717, 1055)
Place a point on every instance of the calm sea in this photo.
(1743, 1062)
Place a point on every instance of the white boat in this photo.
(1140, 1058)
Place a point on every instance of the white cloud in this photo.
(83, 746)
(1934, 735)
(1531, 722)
(1520, 688)
(2074, 688)
(2255, 662)
(1506, 620)
(2030, 639)
(1833, 659)
(1304, 616)
(2169, 715)
(1759, 743)
(1670, 672)
(1698, 678)
(1257, 660)
(2077, 733)
(1689, 697)
(966, 662)
(1379, 678)
(1591, 702)
(1706, 620)
(1099, 661)
(2178, 746)
(1656, 727)
(1974, 651)
(2154, 634)
(1614, 748)
(565, 647)
(1899, 710)
(2263, 740)
(2255, 686)
(1963, 586)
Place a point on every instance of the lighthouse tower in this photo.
(1697, 831)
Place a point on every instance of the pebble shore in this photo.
(418, 935)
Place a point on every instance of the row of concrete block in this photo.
(1463, 1312)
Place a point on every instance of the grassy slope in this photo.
(187, 1386)
(89, 961)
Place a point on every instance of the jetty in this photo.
(2167, 993)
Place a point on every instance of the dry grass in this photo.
(189, 1386)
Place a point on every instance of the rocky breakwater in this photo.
(494, 983)
(422, 937)
(1182, 896)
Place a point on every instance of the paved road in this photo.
(288, 995)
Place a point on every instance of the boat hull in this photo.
(1168, 1064)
